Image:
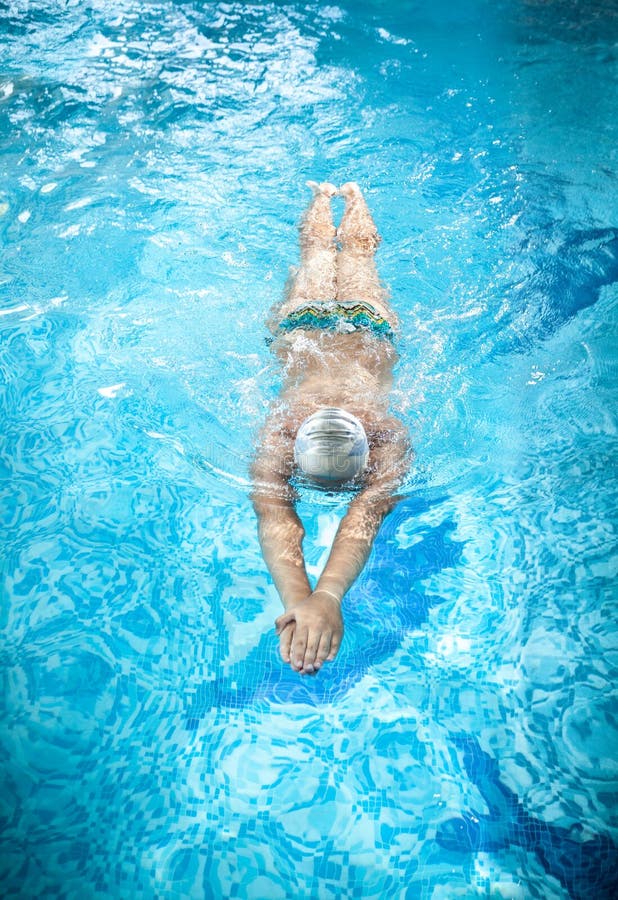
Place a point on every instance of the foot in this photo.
(324, 187)
(357, 231)
(350, 189)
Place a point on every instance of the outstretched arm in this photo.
(279, 529)
(281, 535)
(318, 626)
(354, 540)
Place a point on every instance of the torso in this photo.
(325, 368)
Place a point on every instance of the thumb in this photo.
(284, 620)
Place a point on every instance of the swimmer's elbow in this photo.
(375, 503)
(269, 495)
(265, 502)
(269, 488)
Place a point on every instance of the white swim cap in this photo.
(331, 445)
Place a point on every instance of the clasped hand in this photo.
(310, 632)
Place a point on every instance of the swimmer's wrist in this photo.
(293, 589)
(294, 598)
(331, 591)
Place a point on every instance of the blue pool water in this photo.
(463, 744)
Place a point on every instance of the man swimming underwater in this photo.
(330, 424)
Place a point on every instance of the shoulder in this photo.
(390, 455)
(273, 460)
(388, 432)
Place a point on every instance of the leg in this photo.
(315, 279)
(357, 276)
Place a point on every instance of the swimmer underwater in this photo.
(330, 425)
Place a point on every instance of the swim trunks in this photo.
(338, 315)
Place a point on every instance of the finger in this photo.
(283, 620)
(323, 649)
(299, 645)
(313, 642)
(286, 636)
(334, 647)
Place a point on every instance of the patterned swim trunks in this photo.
(338, 315)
